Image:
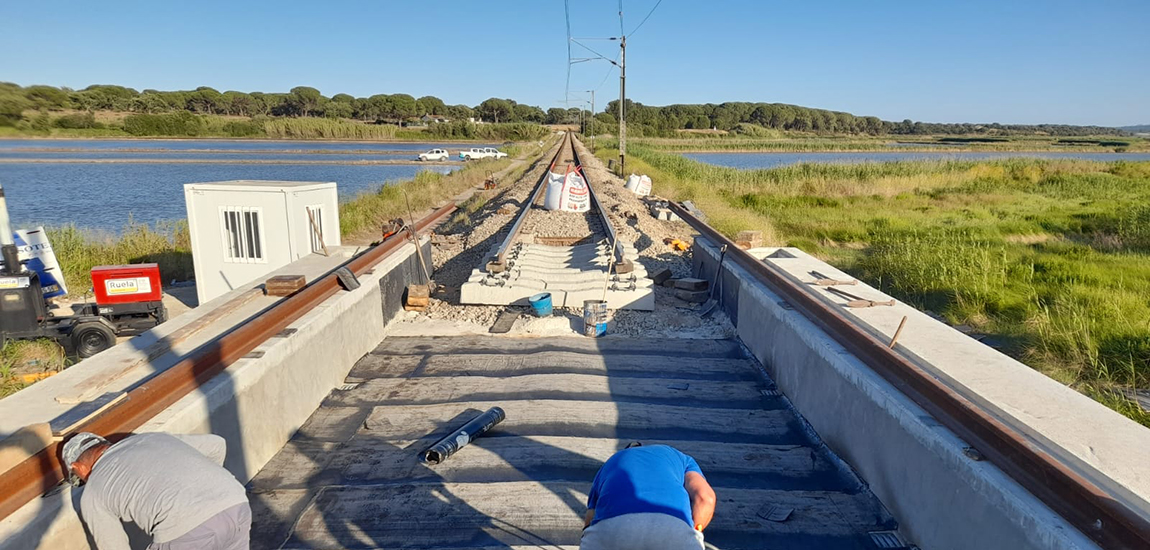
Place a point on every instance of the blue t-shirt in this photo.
(643, 480)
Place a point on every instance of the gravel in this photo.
(455, 261)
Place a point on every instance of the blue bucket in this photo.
(541, 303)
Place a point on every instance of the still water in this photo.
(775, 160)
(225, 144)
(105, 195)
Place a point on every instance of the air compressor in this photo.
(128, 301)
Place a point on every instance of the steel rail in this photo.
(42, 472)
(505, 245)
(617, 247)
(1088, 507)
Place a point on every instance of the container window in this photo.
(243, 238)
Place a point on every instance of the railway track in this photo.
(574, 256)
(570, 405)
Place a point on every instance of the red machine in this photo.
(126, 284)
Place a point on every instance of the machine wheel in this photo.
(91, 337)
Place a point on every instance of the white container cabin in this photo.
(244, 229)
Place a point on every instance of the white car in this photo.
(477, 153)
(435, 154)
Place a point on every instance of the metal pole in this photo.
(592, 119)
(622, 103)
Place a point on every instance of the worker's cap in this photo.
(76, 446)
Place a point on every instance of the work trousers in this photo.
(641, 532)
(227, 530)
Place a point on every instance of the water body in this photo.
(225, 144)
(775, 160)
(106, 195)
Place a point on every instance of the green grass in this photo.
(369, 210)
(19, 357)
(1050, 258)
(79, 250)
(757, 141)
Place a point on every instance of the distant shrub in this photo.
(173, 124)
(41, 122)
(323, 128)
(515, 131)
(77, 121)
(246, 128)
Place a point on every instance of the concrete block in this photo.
(659, 276)
(691, 284)
(694, 296)
(669, 283)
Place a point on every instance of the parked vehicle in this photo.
(435, 155)
(477, 153)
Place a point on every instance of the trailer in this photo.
(128, 301)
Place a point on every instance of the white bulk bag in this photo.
(639, 185)
(567, 192)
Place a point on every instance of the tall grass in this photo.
(369, 210)
(323, 128)
(757, 141)
(1050, 258)
(79, 250)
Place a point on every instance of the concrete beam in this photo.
(257, 403)
(915, 466)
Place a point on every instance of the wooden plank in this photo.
(586, 387)
(678, 347)
(94, 385)
(477, 514)
(66, 423)
(553, 362)
(586, 419)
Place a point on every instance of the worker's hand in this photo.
(702, 500)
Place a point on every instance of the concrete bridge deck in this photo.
(351, 477)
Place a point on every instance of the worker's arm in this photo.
(588, 517)
(106, 529)
(210, 445)
(702, 499)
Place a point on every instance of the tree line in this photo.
(779, 116)
(303, 101)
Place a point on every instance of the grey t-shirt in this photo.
(165, 484)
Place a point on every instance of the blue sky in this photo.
(971, 61)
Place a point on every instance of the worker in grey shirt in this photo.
(173, 487)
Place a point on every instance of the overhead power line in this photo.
(653, 8)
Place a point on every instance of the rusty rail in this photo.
(1080, 501)
(501, 253)
(43, 471)
(617, 247)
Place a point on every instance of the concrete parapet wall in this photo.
(257, 403)
(918, 468)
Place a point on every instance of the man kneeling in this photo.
(651, 497)
(172, 487)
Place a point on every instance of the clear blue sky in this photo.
(1009, 61)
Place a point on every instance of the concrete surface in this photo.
(913, 464)
(256, 404)
(571, 274)
(352, 477)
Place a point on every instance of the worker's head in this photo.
(80, 453)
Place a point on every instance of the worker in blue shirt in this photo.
(652, 497)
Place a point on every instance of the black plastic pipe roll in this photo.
(460, 438)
